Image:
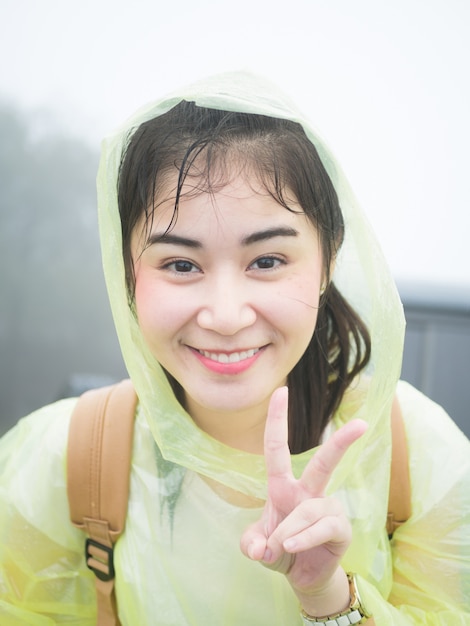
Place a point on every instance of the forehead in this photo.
(239, 207)
(230, 181)
(214, 180)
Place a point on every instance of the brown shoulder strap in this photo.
(399, 500)
(98, 472)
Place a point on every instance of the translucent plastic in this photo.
(179, 560)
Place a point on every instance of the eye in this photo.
(181, 266)
(267, 263)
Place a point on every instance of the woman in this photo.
(238, 263)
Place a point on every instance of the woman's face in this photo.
(227, 300)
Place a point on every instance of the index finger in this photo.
(276, 447)
(318, 472)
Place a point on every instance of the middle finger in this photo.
(320, 468)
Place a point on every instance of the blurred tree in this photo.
(54, 317)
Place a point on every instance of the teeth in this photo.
(233, 357)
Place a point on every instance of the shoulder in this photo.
(430, 545)
(439, 453)
(427, 420)
(42, 434)
(33, 468)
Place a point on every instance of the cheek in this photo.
(296, 306)
(160, 309)
(144, 300)
(307, 299)
(151, 307)
(303, 291)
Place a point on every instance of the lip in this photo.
(227, 362)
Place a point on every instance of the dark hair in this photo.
(207, 143)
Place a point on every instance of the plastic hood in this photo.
(360, 273)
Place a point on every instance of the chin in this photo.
(232, 400)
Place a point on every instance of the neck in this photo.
(242, 430)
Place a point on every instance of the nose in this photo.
(227, 307)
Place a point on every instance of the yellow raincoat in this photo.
(179, 561)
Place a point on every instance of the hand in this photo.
(302, 533)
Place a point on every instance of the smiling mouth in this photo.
(229, 357)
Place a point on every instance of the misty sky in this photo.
(387, 84)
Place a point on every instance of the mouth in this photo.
(228, 363)
(229, 357)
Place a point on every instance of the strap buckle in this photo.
(99, 558)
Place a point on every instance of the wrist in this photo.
(355, 613)
(330, 599)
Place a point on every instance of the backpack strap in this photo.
(98, 474)
(399, 500)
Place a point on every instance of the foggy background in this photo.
(55, 324)
(387, 84)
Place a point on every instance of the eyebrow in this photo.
(269, 233)
(173, 239)
(261, 235)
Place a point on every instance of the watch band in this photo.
(354, 614)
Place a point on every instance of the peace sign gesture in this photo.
(302, 533)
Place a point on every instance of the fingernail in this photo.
(251, 551)
(289, 544)
(268, 555)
